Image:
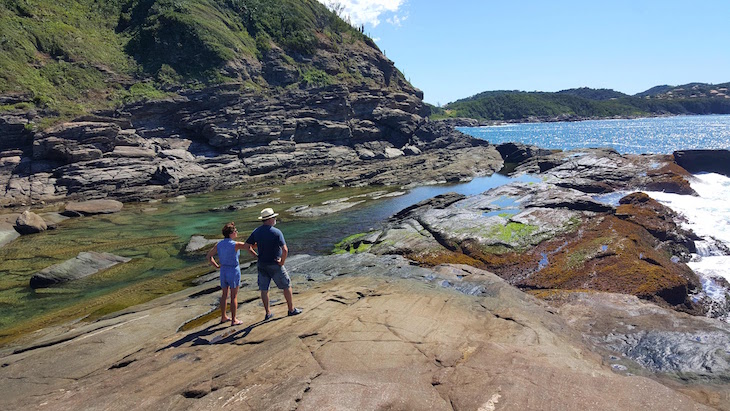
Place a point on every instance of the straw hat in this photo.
(267, 213)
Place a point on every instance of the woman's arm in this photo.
(213, 251)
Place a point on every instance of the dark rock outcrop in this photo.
(220, 137)
(709, 161)
(600, 170)
(544, 237)
(660, 221)
(519, 153)
(14, 130)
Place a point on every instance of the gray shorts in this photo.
(273, 271)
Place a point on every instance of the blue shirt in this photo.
(228, 255)
(269, 241)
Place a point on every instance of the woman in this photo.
(228, 252)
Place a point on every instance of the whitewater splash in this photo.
(709, 217)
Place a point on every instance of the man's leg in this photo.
(265, 300)
(234, 306)
(224, 297)
(288, 297)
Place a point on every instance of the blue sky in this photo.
(457, 48)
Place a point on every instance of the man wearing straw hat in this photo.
(272, 252)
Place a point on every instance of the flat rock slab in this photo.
(91, 207)
(364, 342)
(83, 265)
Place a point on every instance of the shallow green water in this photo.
(154, 235)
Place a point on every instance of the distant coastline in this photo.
(497, 107)
(471, 122)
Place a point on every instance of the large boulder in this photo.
(30, 223)
(83, 265)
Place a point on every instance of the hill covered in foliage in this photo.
(67, 57)
(694, 98)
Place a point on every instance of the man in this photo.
(272, 253)
(228, 251)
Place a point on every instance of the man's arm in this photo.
(213, 251)
(284, 253)
(250, 249)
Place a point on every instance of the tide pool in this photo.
(154, 235)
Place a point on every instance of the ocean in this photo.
(707, 215)
(657, 135)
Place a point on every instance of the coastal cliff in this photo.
(220, 138)
(314, 99)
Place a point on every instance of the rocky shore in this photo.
(377, 333)
(437, 310)
(457, 303)
(227, 136)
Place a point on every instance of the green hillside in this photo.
(695, 98)
(70, 56)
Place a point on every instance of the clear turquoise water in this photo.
(661, 135)
(154, 235)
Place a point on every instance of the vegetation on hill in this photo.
(600, 94)
(67, 57)
(695, 98)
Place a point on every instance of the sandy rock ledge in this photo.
(376, 333)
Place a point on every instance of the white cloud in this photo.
(369, 11)
(396, 20)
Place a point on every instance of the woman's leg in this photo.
(224, 297)
(234, 306)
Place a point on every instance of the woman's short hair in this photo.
(228, 229)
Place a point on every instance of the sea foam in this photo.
(709, 217)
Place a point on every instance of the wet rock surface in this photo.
(92, 207)
(540, 236)
(376, 332)
(658, 340)
(83, 265)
